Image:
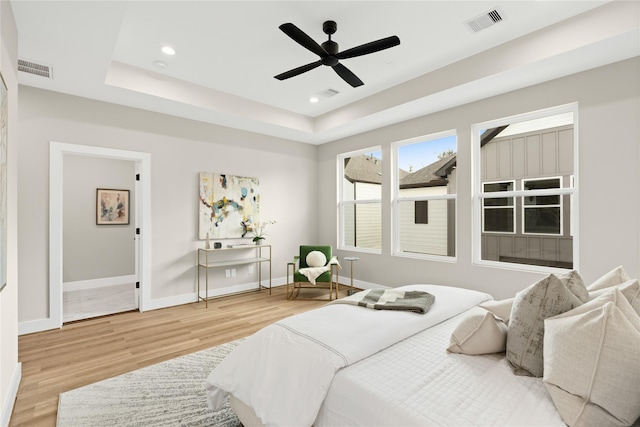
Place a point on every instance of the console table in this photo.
(207, 259)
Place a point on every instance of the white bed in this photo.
(343, 365)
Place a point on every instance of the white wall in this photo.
(9, 366)
(608, 174)
(92, 251)
(179, 150)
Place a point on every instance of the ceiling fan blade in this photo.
(299, 70)
(347, 75)
(302, 38)
(370, 47)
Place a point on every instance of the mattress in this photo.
(418, 383)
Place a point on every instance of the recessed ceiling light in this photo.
(313, 99)
(160, 64)
(168, 50)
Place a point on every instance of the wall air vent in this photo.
(30, 67)
(485, 20)
(328, 93)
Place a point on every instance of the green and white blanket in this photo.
(390, 299)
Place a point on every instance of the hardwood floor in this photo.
(91, 350)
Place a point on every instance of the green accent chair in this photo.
(327, 280)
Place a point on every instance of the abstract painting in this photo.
(112, 207)
(4, 118)
(226, 204)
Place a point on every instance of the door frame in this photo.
(57, 150)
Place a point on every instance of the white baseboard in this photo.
(155, 304)
(7, 405)
(360, 284)
(98, 283)
(36, 326)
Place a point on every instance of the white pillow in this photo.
(479, 332)
(592, 362)
(612, 278)
(502, 308)
(316, 259)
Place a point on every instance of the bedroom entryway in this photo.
(99, 271)
(99, 251)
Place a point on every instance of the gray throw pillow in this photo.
(525, 336)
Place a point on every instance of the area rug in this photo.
(170, 393)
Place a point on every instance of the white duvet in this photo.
(283, 371)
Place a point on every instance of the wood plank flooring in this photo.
(91, 350)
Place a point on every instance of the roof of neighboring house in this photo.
(431, 175)
(364, 168)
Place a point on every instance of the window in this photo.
(424, 196)
(359, 201)
(499, 212)
(542, 214)
(421, 208)
(524, 190)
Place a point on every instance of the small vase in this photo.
(258, 242)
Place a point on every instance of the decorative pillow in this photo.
(316, 259)
(574, 282)
(502, 308)
(531, 306)
(631, 290)
(479, 332)
(612, 278)
(592, 362)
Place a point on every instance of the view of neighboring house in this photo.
(525, 230)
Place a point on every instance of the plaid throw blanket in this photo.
(391, 299)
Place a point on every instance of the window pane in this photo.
(426, 169)
(435, 238)
(362, 177)
(421, 212)
(542, 184)
(542, 220)
(492, 187)
(541, 200)
(366, 226)
(498, 220)
(523, 156)
(499, 201)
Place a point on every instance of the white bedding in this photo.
(418, 383)
(283, 372)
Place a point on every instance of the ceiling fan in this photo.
(329, 53)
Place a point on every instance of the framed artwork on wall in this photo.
(4, 119)
(226, 204)
(112, 207)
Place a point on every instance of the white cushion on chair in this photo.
(316, 259)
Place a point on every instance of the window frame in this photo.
(396, 200)
(342, 204)
(477, 195)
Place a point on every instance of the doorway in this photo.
(99, 271)
(119, 275)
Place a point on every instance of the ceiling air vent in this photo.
(328, 93)
(30, 67)
(485, 20)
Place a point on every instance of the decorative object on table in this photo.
(225, 203)
(217, 245)
(207, 245)
(258, 229)
(112, 207)
(4, 117)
